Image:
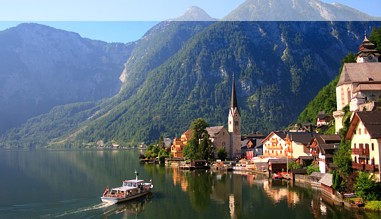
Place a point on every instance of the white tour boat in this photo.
(130, 189)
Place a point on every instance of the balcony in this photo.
(371, 167)
(275, 147)
(358, 166)
(360, 151)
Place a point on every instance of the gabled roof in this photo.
(360, 73)
(327, 142)
(214, 130)
(326, 180)
(330, 138)
(368, 87)
(280, 134)
(300, 137)
(371, 121)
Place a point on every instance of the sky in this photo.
(123, 20)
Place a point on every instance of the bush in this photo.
(373, 205)
(312, 168)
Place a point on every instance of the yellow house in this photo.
(179, 144)
(365, 135)
(297, 144)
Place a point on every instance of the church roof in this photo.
(367, 48)
(214, 130)
(234, 102)
(368, 87)
(360, 73)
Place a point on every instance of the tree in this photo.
(375, 37)
(312, 168)
(222, 154)
(199, 146)
(366, 187)
(293, 165)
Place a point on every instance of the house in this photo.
(323, 119)
(359, 84)
(179, 144)
(177, 148)
(323, 148)
(297, 144)
(274, 145)
(252, 145)
(365, 135)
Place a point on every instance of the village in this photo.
(297, 152)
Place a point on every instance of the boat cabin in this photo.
(132, 183)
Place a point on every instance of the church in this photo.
(359, 85)
(229, 139)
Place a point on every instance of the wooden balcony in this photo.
(360, 151)
(274, 147)
(358, 166)
(371, 167)
(367, 167)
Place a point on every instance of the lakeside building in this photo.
(252, 145)
(274, 145)
(365, 135)
(323, 148)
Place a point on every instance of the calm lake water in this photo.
(68, 184)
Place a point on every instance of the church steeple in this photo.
(234, 126)
(233, 101)
(368, 52)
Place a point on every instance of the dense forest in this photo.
(180, 71)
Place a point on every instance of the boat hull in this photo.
(114, 200)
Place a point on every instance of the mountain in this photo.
(42, 67)
(194, 13)
(180, 71)
(295, 10)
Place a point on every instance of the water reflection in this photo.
(130, 209)
(71, 183)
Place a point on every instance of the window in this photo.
(365, 131)
(349, 95)
(359, 131)
(372, 147)
(354, 146)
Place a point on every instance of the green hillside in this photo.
(177, 76)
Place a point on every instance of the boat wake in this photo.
(85, 209)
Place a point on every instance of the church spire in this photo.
(368, 52)
(233, 103)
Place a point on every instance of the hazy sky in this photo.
(103, 13)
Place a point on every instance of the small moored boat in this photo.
(130, 189)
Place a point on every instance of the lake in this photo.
(68, 184)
